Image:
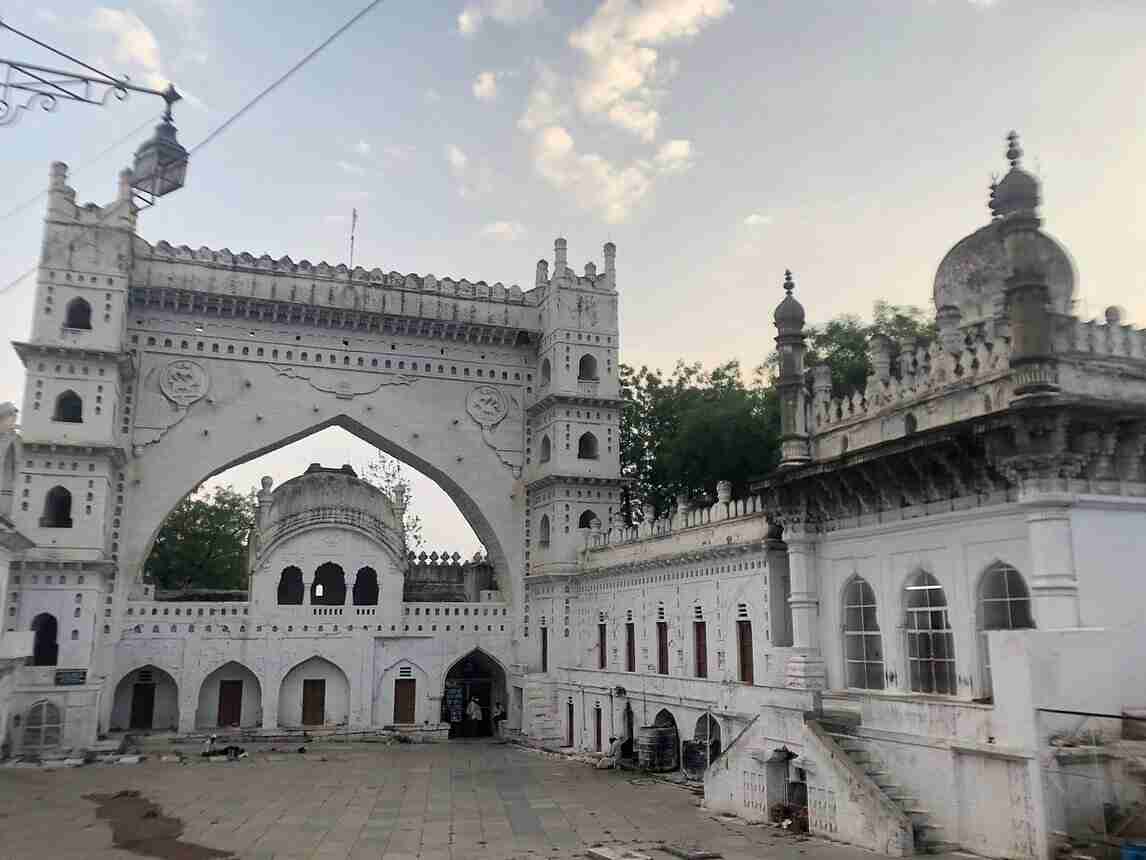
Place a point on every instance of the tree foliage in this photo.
(390, 476)
(682, 433)
(203, 542)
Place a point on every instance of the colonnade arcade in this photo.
(327, 586)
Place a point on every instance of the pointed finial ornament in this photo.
(994, 186)
(1014, 151)
(789, 284)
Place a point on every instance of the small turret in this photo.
(611, 264)
(560, 261)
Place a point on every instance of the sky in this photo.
(716, 142)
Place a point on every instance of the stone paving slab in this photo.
(452, 801)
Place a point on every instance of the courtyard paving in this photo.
(442, 801)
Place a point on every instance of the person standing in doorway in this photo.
(474, 717)
(498, 719)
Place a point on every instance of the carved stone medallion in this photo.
(487, 406)
(183, 381)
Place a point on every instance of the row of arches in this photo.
(1003, 602)
(586, 370)
(328, 587)
(588, 448)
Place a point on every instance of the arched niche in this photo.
(314, 693)
(145, 699)
(230, 697)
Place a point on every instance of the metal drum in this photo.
(657, 748)
(694, 755)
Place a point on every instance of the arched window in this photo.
(329, 588)
(45, 647)
(587, 368)
(1004, 604)
(587, 447)
(290, 587)
(546, 371)
(543, 530)
(69, 408)
(863, 643)
(930, 642)
(78, 314)
(909, 424)
(57, 509)
(366, 587)
(546, 449)
(585, 521)
(43, 727)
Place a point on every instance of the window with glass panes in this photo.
(930, 642)
(863, 642)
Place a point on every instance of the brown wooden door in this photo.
(569, 724)
(142, 705)
(544, 649)
(630, 648)
(313, 701)
(602, 644)
(700, 634)
(404, 689)
(663, 647)
(597, 729)
(230, 703)
(744, 635)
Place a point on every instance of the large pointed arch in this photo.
(484, 496)
(146, 698)
(476, 676)
(230, 696)
(314, 692)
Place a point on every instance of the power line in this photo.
(36, 41)
(306, 59)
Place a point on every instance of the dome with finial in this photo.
(1018, 191)
(971, 276)
(789, 313)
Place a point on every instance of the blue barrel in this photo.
(1135, 850)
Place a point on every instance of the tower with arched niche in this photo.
(573, 419)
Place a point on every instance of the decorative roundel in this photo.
(183, 381)
(487, 406)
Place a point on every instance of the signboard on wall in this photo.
(455, 703)
(71, 677)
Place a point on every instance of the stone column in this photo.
(1053, 578)
(270, 701)
(805, 669)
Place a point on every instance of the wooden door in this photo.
(544, 649)
(597, 729)
(630, 648)
(602, 645)
(404, 689)
(662, 647)
(569, 724)
(142, 706)
(230, 703)
(744, 634)
(313, 701)
(700, 634)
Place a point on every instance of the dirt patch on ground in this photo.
(139, 826)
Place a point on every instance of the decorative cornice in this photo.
(691, 556)
(591, 480)
(573, 399)
(28, 350)
(34, 446)
(108, 568)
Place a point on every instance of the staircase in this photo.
(841, 727)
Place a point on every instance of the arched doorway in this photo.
(329, 586)
(146, 699)
(476, 676)
(662, 745)
(314, 693)
(43, 727)
(230, 697)
(708, 733)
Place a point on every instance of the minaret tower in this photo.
(574, 419)
(790, 342)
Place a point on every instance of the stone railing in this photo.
(685, 517)
(145, 610)
(1097, 338)
(923, 371)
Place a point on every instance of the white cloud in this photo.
(757, 219)
(508, 231)
(546, 105)
(674, 156)
(473, 180)
(485, 87)
(362, 147)
(474, 14)
(135, 44)
(350, 167)
(625, 72)
(594, 182)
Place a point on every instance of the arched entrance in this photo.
(314, 693)
(43, 727)
(45, 647)
(475, 677)
(146, 699)
(708, 733)
(230, 697)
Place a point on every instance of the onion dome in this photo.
(789, 314)
(1018, 191)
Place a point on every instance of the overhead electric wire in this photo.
(306, 59)
(212, 135)
(34, 40)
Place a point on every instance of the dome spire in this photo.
(789, 284)
(789, 316)
(1014, 151)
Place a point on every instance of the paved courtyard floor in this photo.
(459, 801)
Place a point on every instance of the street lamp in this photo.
(160, 163)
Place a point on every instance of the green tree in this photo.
(203, 542)
(390, 476)
(685, 432)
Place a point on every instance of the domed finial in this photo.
(789, 284)
(1014, 151)
(991, 203)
